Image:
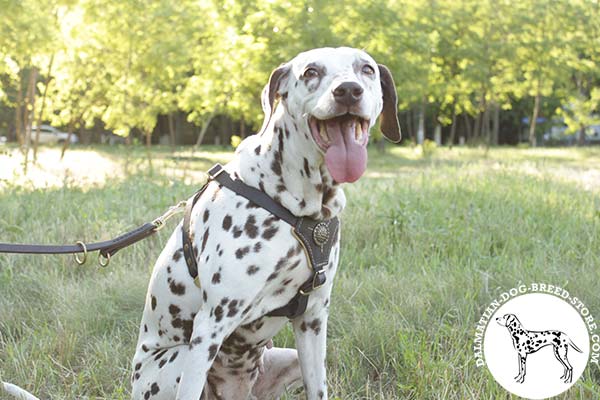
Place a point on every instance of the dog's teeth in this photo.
(323, 132)
(357, 132)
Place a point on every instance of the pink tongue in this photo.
(346, 160)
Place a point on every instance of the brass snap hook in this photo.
(78, 260)
(103, 260)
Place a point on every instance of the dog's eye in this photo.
(310, 73)
(367, 69)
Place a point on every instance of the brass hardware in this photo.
(321, 234)
(303, 293)
(77, 259)
(160, 221)
(100, 259)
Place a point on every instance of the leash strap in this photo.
(106, 248)
(316, 237)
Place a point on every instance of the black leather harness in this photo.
(316, 237)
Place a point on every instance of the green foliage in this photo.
(126, 62)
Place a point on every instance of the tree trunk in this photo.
(28, 115)
(581, 136)
(148, 134)
(532, 124)
(18, 112)
(496, 125)
(171, 130)
(409, 125)
(68, 141)
(242, 128)
(421, 129)
(41, 114)
(203, 131)
(452, 128)
(468, 126)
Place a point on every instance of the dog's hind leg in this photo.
(281, 372)
(565, 368)
(562, 354)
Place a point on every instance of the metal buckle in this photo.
(160, 221)
(314, 285)
(213, 175)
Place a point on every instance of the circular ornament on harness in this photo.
(321, 233)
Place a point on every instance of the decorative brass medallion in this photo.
(321, 233)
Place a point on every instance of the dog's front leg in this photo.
(310, 330)
(205, 342)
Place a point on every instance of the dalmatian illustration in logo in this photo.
(528, 342)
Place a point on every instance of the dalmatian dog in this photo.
(528, 342)
(212, 340)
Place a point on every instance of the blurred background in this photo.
(190, 72)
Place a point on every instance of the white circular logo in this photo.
(536, 345)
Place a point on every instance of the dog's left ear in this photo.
(271, 91)
(390, 126)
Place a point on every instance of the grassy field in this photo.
(428, 241)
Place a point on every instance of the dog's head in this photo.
(336, 94)
(508, 320)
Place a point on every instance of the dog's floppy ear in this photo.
(271, 91)
(389, 114)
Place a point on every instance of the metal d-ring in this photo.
(101, 257)
(77, 259)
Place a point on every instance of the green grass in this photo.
(428, 242)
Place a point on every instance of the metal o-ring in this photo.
(100, 259)
(78, 260)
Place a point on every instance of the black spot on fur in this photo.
(257, 150)
(240, 253)
(306, 168)
(269, 232)
(216, 278)
(205, 216)
(174, 310)
(204, 240)
(212, 351)
(177, 255)
(154, 388)
(252, 269)
(153, 302)
(227, 222)
(237, 232)
(177, 288)
(250, 227)
(218, 313)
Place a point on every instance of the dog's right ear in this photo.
(272, 91)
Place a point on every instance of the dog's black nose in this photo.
(348, 93)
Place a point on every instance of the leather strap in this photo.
(189, 253)
(316, 237)
(106, 248)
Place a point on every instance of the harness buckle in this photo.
(215, 171)
(318, 281)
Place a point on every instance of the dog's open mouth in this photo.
(344, 141)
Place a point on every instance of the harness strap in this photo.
(316, 238)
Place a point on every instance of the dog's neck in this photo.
(283, 162)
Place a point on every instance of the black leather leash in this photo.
(106, 249)
(316, 237)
